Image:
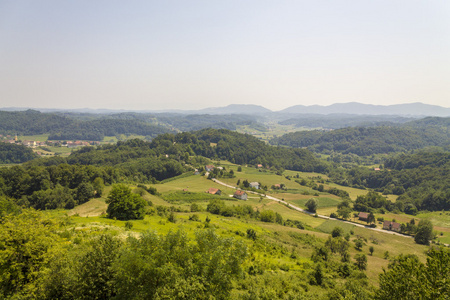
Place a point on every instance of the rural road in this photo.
(310, 213)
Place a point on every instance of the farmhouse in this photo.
(259, 166)
(389, 225)
(209, 168)
(240, 195)
(363, 216)
(214, 191)
(276, 186)
(254, 185)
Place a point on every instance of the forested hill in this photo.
(372, 140)
(421, 179)
(183, 122)
(211, 143)
(15, 154)
(62, 128)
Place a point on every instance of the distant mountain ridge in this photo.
(413, 109)
(356, 108)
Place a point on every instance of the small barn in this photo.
(214, 191)
(363, 216)
(240, 195)
(254, 185)
(389, 225)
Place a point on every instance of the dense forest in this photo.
(336, 121)
(15, 154)
(40, 182)
(32, 122)
(420, 179)
(366, 141)
(71, 126)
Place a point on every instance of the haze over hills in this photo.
(408, 109)
(415, 109)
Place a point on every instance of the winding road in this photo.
(310, 213)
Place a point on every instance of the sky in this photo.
(154, 55)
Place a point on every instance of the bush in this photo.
(311, 205)
(125, 205)
(337, 232)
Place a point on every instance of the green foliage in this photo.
(361, 261)
(27, 243)
(173, 267)
(337, 232)
(311, 205)
(15, 154)
(98, 184)
(424, 232)
(419, 179)
(186, 196)
(408, 278)
(366, 141)
(359, 243)
(251, 234)
(125, 205)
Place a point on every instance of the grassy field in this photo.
(89, 215)
(38, 138)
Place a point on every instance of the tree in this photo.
(85, 191)
(337, 231)
(311, 205)
(344, 212)
(27, 242)
(98, 185)
(361, 261)
(123, 204)
(371, 218)
(359, 244)
(408, 278)
(424, 232)
(371, 249)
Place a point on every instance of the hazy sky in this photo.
(196, 54)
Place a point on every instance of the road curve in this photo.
(310, 213)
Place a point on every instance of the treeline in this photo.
(171, 150)
(72, 126)
(96, 130)
(246, 149)
(15, 154)
(420, 179)
(32, 122)
(336, 121)
(41, 259)
(365, 141)
(57, 186)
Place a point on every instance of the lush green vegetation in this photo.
(15, 154)
(420, 179)
(142, 226)
(62, 128)
(366, 141)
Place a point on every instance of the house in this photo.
(254, 185)
(376, 169)
(363, 216)
(31, 144)
(389, 225)
(240, 195)
(276, 186)
(214, 191)
(209, 168)
(196, 172)
(220, 168)
(259, 166)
